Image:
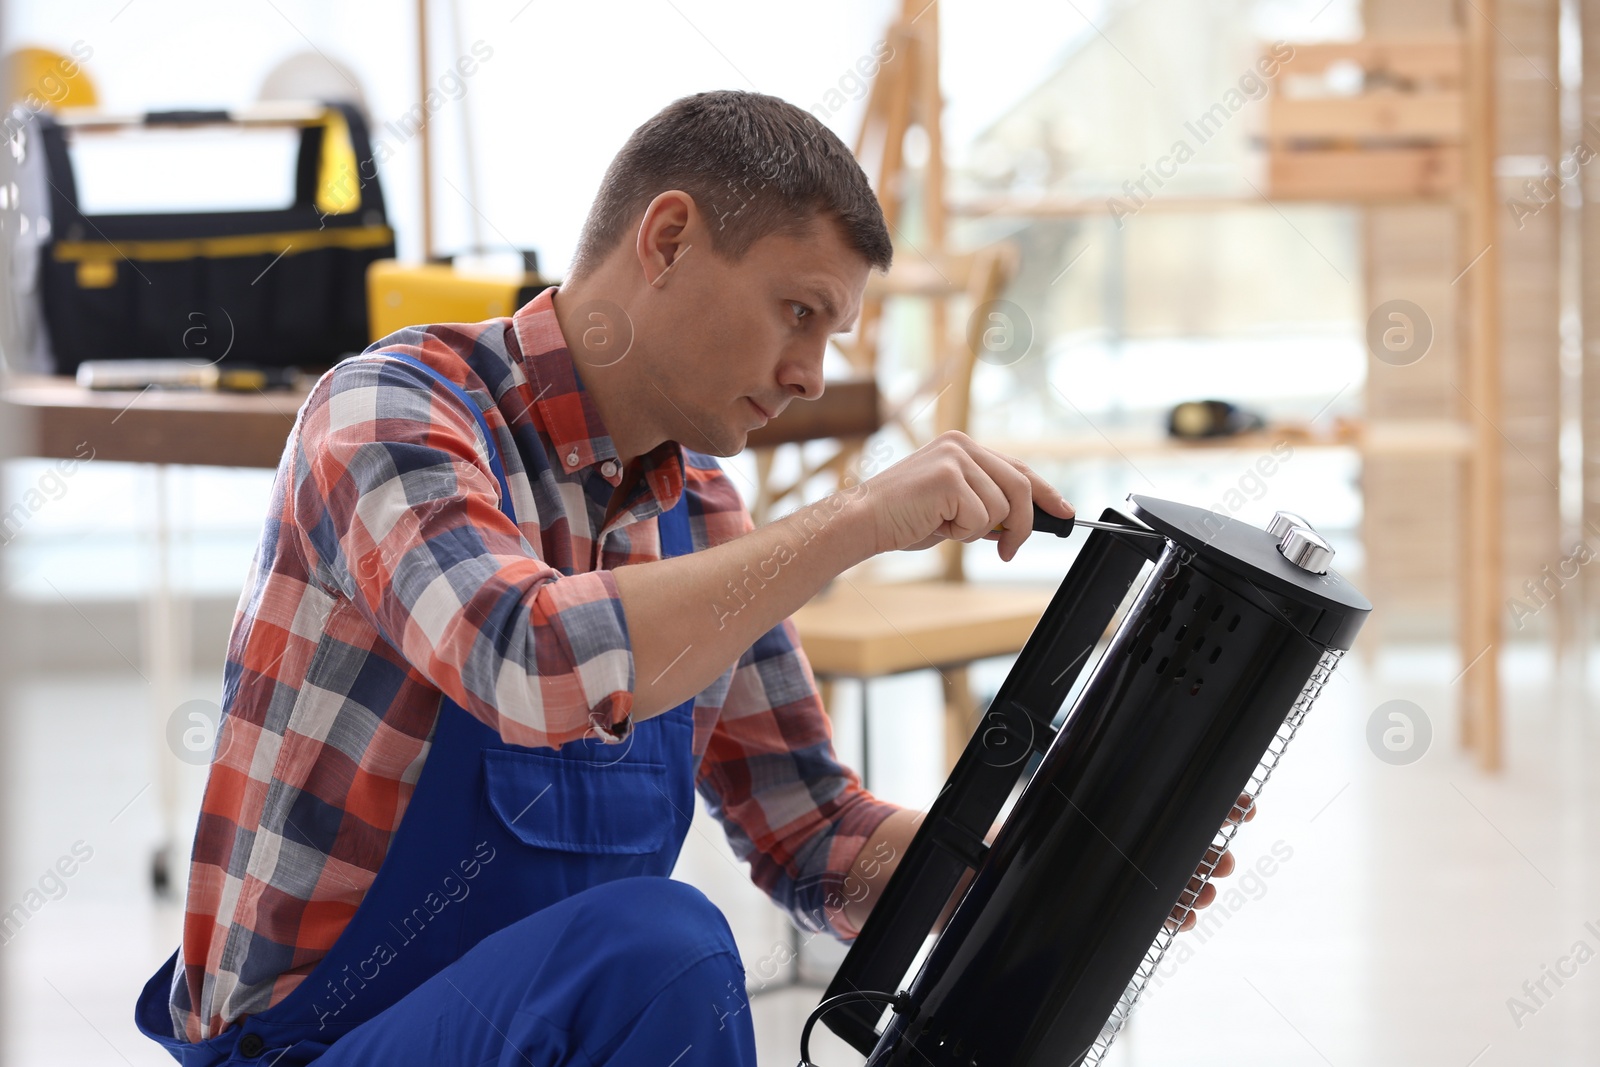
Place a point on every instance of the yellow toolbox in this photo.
(410, 294)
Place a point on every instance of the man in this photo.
(485, 655)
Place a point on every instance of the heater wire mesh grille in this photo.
(1219, 844)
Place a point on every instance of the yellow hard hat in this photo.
(42, 79)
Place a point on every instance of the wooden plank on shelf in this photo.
(1412, 19)
(1369, 174)
(1433, 116)
(1386, 437)
(1055, 206)
(1434, 58)
(1416, 438)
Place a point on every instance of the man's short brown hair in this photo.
(754, 164)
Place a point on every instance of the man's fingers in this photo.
(1202, 893)
(1022, 487)
(1224, 865)
(1047, 495)
(1010, 476)
(1204, 899)
(994, 500)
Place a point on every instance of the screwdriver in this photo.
(1047, 523)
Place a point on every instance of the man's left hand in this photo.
(1243, 811)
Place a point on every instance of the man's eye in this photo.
(800, 310)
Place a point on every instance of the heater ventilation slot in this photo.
(1188, 642)
(1219, 845)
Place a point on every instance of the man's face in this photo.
(729, 336)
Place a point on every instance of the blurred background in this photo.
(1328, 256)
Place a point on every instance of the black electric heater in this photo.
(1195, 697)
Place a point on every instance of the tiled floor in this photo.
(1413, 904)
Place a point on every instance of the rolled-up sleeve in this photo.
(789, 808)
(398, 509)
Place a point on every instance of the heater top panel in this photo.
(1255, 555)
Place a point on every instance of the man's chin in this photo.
(730, 442)
(741, 438)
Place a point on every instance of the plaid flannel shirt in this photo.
(386, 575)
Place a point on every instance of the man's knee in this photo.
(659, 920)
(638, 925)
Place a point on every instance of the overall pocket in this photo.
(579, 806)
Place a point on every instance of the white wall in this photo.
(565, 85)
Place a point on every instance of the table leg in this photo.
(866, 735)
(166, 649)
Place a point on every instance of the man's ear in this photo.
(664, 234)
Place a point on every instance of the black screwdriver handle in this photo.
(1044, 522)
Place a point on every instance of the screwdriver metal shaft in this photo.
(1045, 522)
(1112, 526)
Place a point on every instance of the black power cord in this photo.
(901, 1002)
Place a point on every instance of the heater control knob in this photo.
(1282, 521)
(1306, 549)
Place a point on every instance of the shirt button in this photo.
(572, 458)
(609, 469)
(251, 1045)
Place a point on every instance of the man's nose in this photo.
(804, 376)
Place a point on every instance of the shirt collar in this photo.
(578, 437)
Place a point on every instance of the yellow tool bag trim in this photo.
(252, 244)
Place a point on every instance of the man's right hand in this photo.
(690, 617)
(954, 488)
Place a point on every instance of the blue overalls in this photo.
(522, 914)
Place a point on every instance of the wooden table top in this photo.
(227, 429)
(152, 425)
(864, 628)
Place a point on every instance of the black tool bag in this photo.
(275, 288)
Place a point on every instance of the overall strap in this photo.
(674, 523)
(483, 426)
